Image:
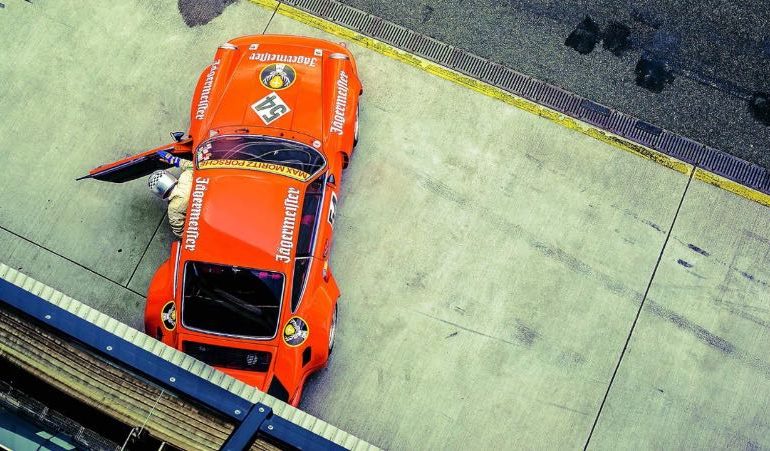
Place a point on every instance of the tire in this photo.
(333, 330)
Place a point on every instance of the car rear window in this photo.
(260, 153)
(231, 300)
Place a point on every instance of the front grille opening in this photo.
(233, 358)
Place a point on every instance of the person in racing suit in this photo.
(175, 191)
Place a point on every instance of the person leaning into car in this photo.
(175, 191)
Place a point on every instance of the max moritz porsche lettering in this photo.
(255, 166)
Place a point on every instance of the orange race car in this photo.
(248, 287)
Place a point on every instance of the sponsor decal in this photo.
(277, 76)
(203, 102)
(204, 152)
(272, 168)
(168, 315)
(340, 104)
(191, 231)
(270, 108)
(295, 332)
(333, 209)
(291, 59)
(290, 205)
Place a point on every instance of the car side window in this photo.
(308, 229)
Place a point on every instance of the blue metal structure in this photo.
(250, 418)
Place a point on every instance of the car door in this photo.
(139, 165)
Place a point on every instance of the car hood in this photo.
(242, 218)
(249, 83)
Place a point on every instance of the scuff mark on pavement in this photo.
(716, 342)
(570, 359)
(654, 226)
(698, 250)
(441, 189)
(644, 221)
(417, 280)
(563, 407)
(526, 334)
(427, 13)
(201, 12)
(608, 281)
(467, 329)
(740, 310)
(559, 254)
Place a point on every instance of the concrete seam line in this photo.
(522, 103)
(149, 243)
(639, 311)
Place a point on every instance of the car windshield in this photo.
(260, 153)
(231, 300)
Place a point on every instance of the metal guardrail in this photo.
(252, 411)
(626, 126)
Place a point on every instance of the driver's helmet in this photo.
(161, 183)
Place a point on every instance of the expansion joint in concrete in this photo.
(639, 310)
(80, 265)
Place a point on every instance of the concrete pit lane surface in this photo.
(507, 282)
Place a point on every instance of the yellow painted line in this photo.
(734, 187)
(516, 101)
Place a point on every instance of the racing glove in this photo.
(169, 158)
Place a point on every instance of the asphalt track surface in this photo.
(718, 52)
(714, 55)
(507, 282)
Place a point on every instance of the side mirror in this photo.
(330, 180)
(177, 136)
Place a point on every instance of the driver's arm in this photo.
(174, 160)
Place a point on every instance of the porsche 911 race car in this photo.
(248, 288)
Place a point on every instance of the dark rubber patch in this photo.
(584, 37)
(201, 12)
(616, 38)
(652, 75)
(759, 105)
